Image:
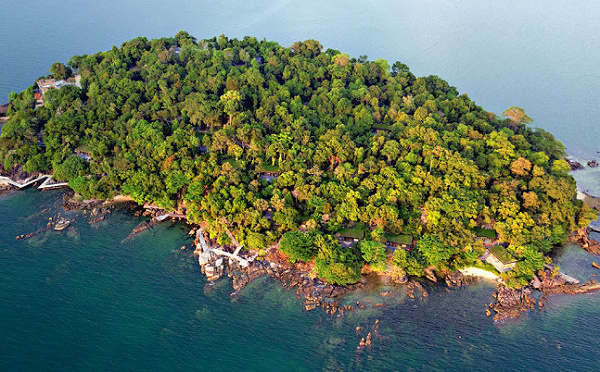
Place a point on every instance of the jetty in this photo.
(204, 255)
(28, 182)
(165, 216)
(569, 279)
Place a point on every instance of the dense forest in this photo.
(344, 142)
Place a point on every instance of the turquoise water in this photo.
(84, 301)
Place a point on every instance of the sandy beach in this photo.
(475, 271)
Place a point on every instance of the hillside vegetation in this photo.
(190, 125)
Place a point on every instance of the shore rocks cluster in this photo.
(575, 165)
(313, 291)
(583, 239)
(511, 303)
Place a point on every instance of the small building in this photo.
(500, 258)
(38, 96)
(3, 111)
(45, 85)
(489, 237)
(84, 154)
(268, 172)
(350, 236)
(393, 241)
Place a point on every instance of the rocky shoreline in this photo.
(315, 293)
(512, 303)
(299, 277)
(575, 165)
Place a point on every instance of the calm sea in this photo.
(84, 301)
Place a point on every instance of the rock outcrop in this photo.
(575, 165)
(511, 303)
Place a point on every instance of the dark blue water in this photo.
(84, 301)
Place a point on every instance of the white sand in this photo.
(475, 271)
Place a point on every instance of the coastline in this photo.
(314, 292)
(480, 273)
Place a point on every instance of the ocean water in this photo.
(541, 55)
(83, 300)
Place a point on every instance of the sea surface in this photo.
(85, 300)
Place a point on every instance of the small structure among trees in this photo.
(3, 111)
(268, 172)
(500, 258)
(393, 241)
(489, 237)
(350, 236)
(84, 153)
(45, 85)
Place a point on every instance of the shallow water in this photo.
(83, 300)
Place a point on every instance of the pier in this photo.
(45, 185)
(204, 256)
(163, 217)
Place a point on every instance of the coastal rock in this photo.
(62, 224)
(512, 302)
(535, 282)
(429, 273)
(400, 279)
(592, 163)
(582, 238)
(575, 165)
(455, 279)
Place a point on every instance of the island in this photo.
(341, 165)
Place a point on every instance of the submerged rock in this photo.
(62, 224)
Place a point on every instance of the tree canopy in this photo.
(191, 125)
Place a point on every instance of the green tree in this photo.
(71, 168)
(335, 264)
(60, 72)
(374, 254)
(231, 103)
(298, 245)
